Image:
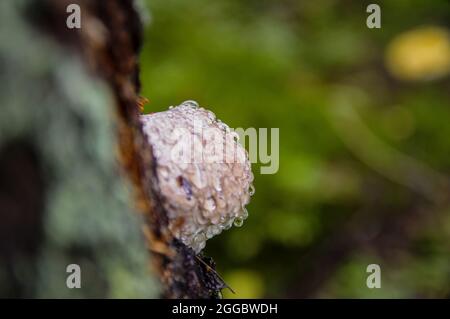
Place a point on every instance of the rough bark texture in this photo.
(70, 110)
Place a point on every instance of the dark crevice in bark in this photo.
(22, 198)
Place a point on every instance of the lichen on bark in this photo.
(77, 180)
(54, 110)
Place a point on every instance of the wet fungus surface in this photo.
(203, 171)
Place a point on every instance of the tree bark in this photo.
(77, 177)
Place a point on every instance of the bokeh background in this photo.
(364, 136)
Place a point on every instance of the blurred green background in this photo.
(364, 136)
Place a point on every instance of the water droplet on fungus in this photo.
(208, 194)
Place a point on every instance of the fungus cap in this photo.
(204, 174)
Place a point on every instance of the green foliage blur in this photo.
(364, 137)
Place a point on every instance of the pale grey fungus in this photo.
(204, 174)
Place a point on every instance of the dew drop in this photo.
(244, 213)
(221, 203)
(198, 178)
(238, 221)
(218, 185)
(251, 190)
(210, 204)
(209, 233)
(199, 238)
(223, 126)
(227, 226)
(211, 116)
(171, 107)
(216, 230)
(191, 103)
(164, 172)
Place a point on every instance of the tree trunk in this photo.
(77, 182)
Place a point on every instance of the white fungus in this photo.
(204, 174)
